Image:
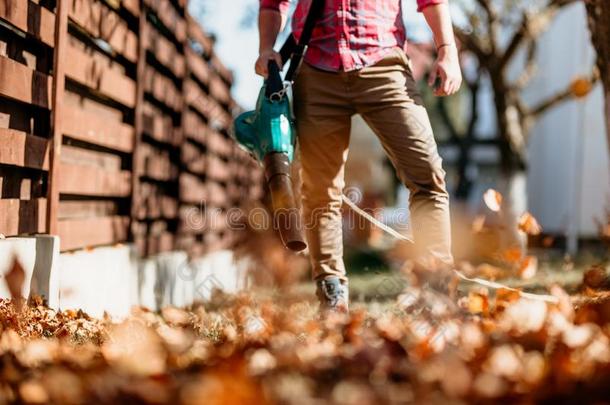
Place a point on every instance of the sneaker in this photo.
(333, 294)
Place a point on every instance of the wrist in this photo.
(265, 50)
(446, 49)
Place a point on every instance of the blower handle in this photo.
(275, 84)
(286, 215)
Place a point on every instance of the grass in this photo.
(373, 284)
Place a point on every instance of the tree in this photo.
(499, 44)
(599, 25)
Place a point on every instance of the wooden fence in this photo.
(114, 127)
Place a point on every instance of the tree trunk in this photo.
(599, 25)
(513, 176)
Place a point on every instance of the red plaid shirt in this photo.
(351, 34)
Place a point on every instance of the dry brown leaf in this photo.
(534, 367)
(488, 385)
(135, 348)
(528, 224)
(490, 272)
(581, 87)
(596, 277)
(175, 316)
(504, 361)
(478, 303)
(524, 316)
(512, 255)
(33, 392)
(457, 379)
(528, 267)
(493, 200)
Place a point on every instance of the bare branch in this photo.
(560, 97)
(531, 27)
(470, 43)
(493, 26)
(529, 69)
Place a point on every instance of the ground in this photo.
(400, 344)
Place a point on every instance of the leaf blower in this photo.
(269, 133)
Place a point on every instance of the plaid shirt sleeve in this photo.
(422, 4)
(277, 5)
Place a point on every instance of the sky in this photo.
(233, 22)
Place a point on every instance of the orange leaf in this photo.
(478, 303)
(493, 200)
(512, 255)
(529, 225)
(528, 267)
(580, 87)
(596, 277)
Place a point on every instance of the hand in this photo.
(447, 68)
(263, 61)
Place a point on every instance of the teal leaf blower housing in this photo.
(268, 129)
(269, 134)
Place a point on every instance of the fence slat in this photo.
(197, 66)
(89, 127)
(101, 22)
(31, 18)
(169, 17)
(21, 83)
(21, 149)
(88, 180)
(98, 72)
(162, 89)
(22, 216)
(84, 232)
(165, 52)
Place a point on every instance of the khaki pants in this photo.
(385, 95)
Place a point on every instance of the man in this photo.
(356, 64)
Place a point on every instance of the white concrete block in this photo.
(98, 280)
(38, 256)
(113, 279)
(24, 251)
(149, 288)
(218, 270)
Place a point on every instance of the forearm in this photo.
(439, 19)
(270, 23)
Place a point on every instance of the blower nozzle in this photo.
(268, 133)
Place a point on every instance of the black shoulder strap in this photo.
(293, 51)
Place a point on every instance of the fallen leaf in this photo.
(478, 303)
(33, 392)
(493, 200)
(528, 224)
(524, 316)
(504, 361)
(489, 385)
(512, 255)
(596, 277)
(528, 267)
(175, 316)
(135, 348)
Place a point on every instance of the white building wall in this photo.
(568, 180)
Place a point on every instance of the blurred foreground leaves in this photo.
(248, 349)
